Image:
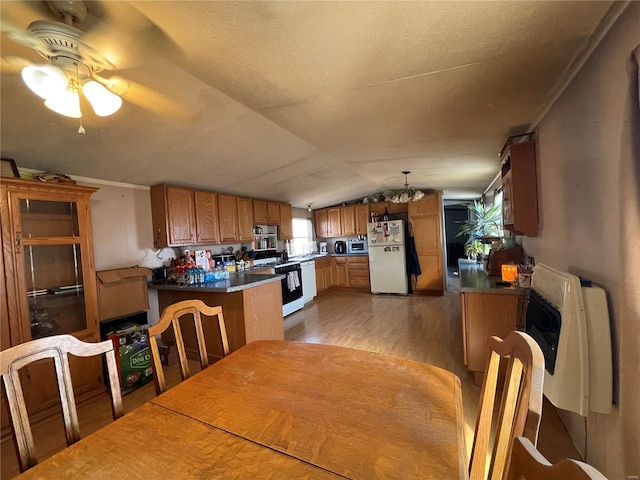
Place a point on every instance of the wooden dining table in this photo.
(281, 410)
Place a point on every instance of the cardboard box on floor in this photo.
(122, 291)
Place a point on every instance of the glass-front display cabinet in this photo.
(50, 276)
(49, 284)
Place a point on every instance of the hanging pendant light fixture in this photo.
(407, 193)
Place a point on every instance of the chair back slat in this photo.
(171, 318)
(520, 408)
(57, 348)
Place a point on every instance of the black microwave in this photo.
(357, 246)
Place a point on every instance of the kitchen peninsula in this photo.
(487, 309)
(251, 304)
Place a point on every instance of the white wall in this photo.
(122, 232)
(589, 202)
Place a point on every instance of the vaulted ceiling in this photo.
(312, 103)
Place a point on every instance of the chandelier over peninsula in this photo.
(407, 193)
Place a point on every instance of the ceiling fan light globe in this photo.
(65, 103)
(46, 81)
(104, 102)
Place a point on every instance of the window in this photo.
(302, 236)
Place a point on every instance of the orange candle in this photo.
(509, 272)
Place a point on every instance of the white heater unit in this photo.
(571, 324)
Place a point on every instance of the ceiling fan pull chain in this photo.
(81, 130)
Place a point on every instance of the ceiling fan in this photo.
(74, 68)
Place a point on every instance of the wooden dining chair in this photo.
(56, 347)
(171, 317)
(529, 464)
(520, 408)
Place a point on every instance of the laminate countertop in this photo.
(473, 279)
(235, 283)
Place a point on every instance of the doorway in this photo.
(454, 216)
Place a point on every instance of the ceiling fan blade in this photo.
(21, 36)
(13, 64)
(147, 98)
(126, 36)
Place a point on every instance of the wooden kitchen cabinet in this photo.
(392, 208)
(425, 217)
(173, 216)
(48, 283)
(339, 277)
(286, 219)
(236, 218)
(206, 207)
(350, 272)
(245, 219)
(266, 212)
(485, 315)
(519, 187)
(362, 218)
(328, 222)
(348, 220)
(358, 272)
(321, 218)
(323, 274)
(182, 216)
(334, 228)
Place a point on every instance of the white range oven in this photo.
(292, 299)
(291, 284)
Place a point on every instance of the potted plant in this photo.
(483, 222)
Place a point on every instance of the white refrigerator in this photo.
(387, 262)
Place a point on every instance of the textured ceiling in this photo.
(304, 102)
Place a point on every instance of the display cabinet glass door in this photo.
(49, 241)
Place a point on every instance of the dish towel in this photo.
(293, 281)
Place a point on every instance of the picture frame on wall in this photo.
(9, 168)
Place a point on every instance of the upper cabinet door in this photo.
(348, 220)
(519, 182)
(245, 219)
(228, 216)
(362, 218)
(286, 219)
(260, 213)
(207, 229)
(322, 223)
(181, 216)
(333, 215)
(273, 211)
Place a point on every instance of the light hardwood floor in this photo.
(426, 329)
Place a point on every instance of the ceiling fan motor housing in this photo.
(65, 42)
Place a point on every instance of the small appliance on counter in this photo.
(357, 246)
(340, 247)
(323, 248)
(160, 275)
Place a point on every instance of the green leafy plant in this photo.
(483, 222)
(474, 248)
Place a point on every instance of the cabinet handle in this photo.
(18, 241)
